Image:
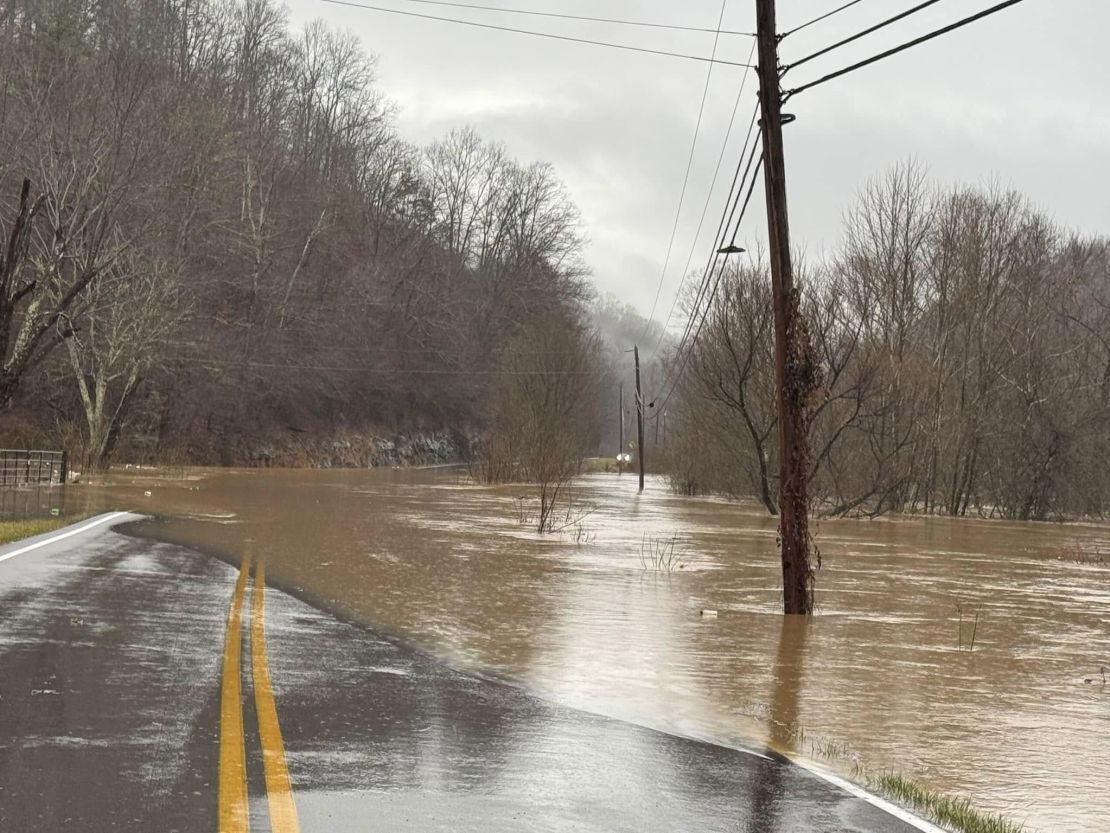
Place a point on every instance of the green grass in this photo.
(18, 530)
(956, 814)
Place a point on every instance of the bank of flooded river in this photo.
(884, 678)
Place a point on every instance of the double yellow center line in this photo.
(233, 809)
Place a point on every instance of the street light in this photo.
(731, 249)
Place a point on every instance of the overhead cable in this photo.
(717, 264)
(863, 34)
(722, 225)
(686, 177)
(825, 16)
(587, 18)
(717, 258)
(709, 199)
(915, 42)
(549, 35)
(719, 241)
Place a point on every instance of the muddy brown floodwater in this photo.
(877, 681)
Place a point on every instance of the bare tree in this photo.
(544, 407)
(125, 331)
(962, 338)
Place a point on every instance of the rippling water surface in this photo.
(877, 681)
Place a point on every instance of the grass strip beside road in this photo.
(18, 530)
(953, 813)
(279, 789)
(232, 799)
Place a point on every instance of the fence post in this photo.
(65, 467)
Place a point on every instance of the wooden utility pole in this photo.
(639, 417)
(620, 442)
(793, 369)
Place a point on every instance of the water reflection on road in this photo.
(878, 679)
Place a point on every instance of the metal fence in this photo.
(28, 467)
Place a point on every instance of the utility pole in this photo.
(639, 417)
(620, 442)
(793, 368)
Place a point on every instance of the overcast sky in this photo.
(1021, 96)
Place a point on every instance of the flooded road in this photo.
(955, 652)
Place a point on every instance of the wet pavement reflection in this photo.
(882, 679)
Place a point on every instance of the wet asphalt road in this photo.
(119, 711)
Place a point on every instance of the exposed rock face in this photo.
(360, 450)
(293, 447)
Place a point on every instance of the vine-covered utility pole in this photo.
(794, 370)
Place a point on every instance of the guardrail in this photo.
(30, 467)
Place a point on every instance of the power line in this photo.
(722, 229)
(707, 273)
(722, 233)
(747, 201)
(685, 354)
(825, 16)
(716, 257)
(709, 198)
(686, 177)
(915, 42)
(692, 334)
(722, 225)
(550, 35)
(560, 16)
(864, 33)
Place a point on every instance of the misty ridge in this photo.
(216, 244)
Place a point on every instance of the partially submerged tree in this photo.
(962, 339)
(729, 390)
(543, 402)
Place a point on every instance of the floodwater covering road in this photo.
(884, 678)
(121, 712)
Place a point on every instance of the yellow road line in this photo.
(233, 817)
(279, 789)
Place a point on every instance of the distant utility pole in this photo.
(620, 442)
(792, 370)
(639, 417)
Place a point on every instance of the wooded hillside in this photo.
(213, 234)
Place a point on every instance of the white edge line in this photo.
(874, 800)
(53, 540)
